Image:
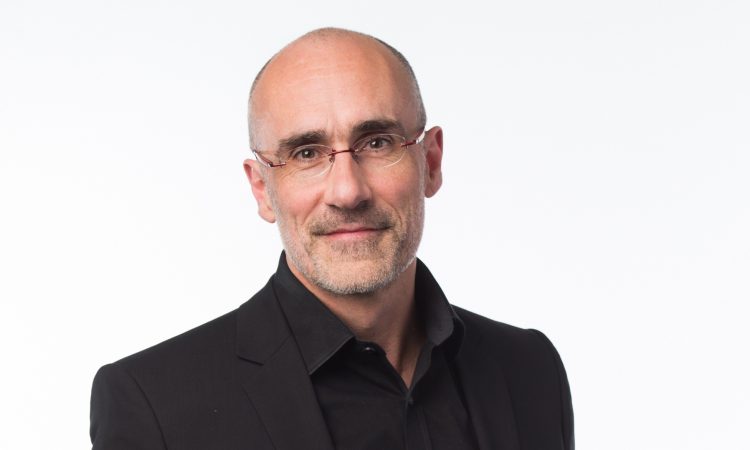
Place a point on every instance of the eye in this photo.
(378, 142)
(307, 154)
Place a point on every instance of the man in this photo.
(351, 344)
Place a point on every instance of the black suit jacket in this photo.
(239, 382)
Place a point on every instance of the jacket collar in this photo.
(261, 328)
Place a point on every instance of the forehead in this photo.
(330, 84)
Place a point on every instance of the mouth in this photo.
(351, 227)
(353, 232)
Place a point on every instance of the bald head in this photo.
(320, 47)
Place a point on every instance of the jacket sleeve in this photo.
(566, 403)
(121, 416)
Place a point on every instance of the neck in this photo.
(386, 317)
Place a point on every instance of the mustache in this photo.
(333, 220)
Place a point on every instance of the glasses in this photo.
(373, 152)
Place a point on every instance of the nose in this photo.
(346, 183)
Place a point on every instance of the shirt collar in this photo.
(441, 323)
(320, 334)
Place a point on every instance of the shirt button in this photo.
(410, 401)
(369, 349)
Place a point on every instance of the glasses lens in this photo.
(380, 150)
(308, 160)
(371, 153)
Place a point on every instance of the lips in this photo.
(351, 224)
(354, 229)
(353, 234)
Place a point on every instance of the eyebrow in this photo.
(307, 137)
(379, 125)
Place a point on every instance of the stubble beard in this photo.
(354, 268)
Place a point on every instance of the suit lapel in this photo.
(283, 396)
(486, 393)
(275, 378)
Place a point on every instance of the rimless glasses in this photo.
(372, 152)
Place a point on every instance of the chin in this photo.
(356, 276)
(350, 286)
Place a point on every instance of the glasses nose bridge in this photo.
(352, 168)
(333, 152)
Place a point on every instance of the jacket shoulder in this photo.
(536, 377)
(504, 340)
(487, 325)
(211, 340)
(186, 392)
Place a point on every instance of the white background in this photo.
(596, 187)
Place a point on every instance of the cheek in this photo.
(411, 181)
(405, 178)
(404, 194)
(293, 207)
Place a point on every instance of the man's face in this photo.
(347, 231)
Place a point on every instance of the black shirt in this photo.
(365, 403)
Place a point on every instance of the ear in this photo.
(258, 186)
(433, 145)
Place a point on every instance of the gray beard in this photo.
(393, 259)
